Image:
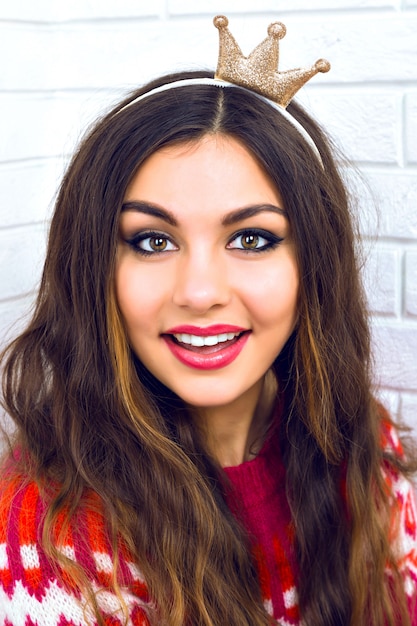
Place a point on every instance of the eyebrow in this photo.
(150, 209)
(243, 214)
(229, 219)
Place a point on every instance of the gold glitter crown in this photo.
(259, 71)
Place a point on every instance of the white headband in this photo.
(224, 84)
(257, 74)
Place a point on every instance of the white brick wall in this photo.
(66, 61)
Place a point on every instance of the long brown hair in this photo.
(90, 417)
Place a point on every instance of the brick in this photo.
(381, 279)
(190, 7)
(362, 200)
(27, 191)
(104, 54)
(26, 10)
(22, 252)
(395, 349)
(408, 410)
(388, 203)
(46, 126)
(390, 400)
(362, 48)
(16, 40)
(51, 11)
(378, 48)
(365, 128)
(411, 128)
(14, 315)
(410, 299)
(110, 53)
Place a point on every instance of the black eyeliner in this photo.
(134, 240)
(272, 239)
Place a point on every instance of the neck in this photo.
(235, 432)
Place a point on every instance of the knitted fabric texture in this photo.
(31, 594)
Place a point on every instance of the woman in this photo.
(197, 441)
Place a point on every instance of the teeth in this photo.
(211, 340)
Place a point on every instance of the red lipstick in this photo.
(206, 357)
(206, 331)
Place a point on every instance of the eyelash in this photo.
(272, 241)
(135, 241)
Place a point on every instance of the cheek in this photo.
(130, 291)
(274, 296)
(137, 296)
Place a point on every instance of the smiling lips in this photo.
(207, 348)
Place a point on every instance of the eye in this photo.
(151, 243)
(254, 240)
(156, 243)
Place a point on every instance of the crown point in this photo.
(322, 65)
(258, 71)
(277, 30)
(220, 21)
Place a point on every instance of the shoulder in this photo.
(34, 590)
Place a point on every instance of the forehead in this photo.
(216, 171)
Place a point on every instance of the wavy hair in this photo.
(89, 417)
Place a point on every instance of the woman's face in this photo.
(206, 277)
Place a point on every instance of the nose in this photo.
(202, 282)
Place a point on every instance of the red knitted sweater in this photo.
(31, 594)
(258, 499)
